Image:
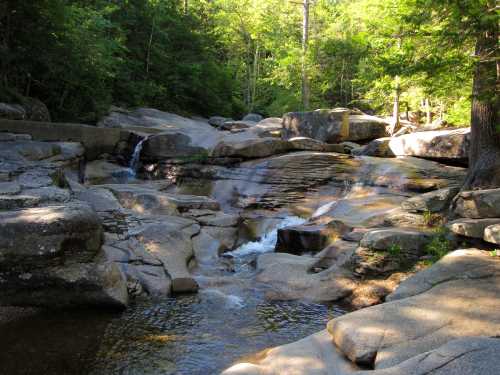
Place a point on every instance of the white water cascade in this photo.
(136, 157)
(267, 243)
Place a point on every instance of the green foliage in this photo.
(229, 57)
(439, 246)
(394, 250)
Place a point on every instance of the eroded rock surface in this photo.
(456, 298)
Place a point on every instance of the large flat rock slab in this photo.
(458, 297)
(440, 144)
(291, 277)
(100, 284)
(458, 357)
(313, 355)
(36, 237)
(144, 200)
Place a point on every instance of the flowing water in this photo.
(229, 319)
(198, 334)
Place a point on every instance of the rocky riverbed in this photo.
(210, 244)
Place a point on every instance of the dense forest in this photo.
(210, 57)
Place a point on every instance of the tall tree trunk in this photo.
(305, 44)
(395, 112)
(484, 156)
(150, 44)
(255, 76)
(428, 114)
(186, 6)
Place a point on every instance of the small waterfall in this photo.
(136, 157)
(268, 241)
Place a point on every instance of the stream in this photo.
(228, 320)
(188, 334)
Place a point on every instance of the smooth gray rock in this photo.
(408, 240)
(169, 241)
(37, 237)
(102, 171)
(456, 298)
(476, 355)
(251, 148)
(289, 277)
(152, 279)
(70, 285)
(478, 204)
(313, 355)
(49, 194)
(12, 202)
(9, 188)
(310, 236)
(474, 228)
(145, 200)
(329, 126)
(434, 201)
(255, 117)
(492, 234)
(441, 144)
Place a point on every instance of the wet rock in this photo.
(492, 234)
(213, 241)
(435, 201)
(151, 278)
(455, 298)
(169, 241)
(37, 237)
(478, 204)
(213, 218)
(12, 202)
(145, 200)
(290, 277)
(72, 285)
(407, 240)
(129, 251)
(310, 236)
(9, 188)
(474, 228)
(102, 171)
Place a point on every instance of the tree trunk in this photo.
(395, 112)
(484, 156)
(305, 44)
(428, 114)
(255, 75)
